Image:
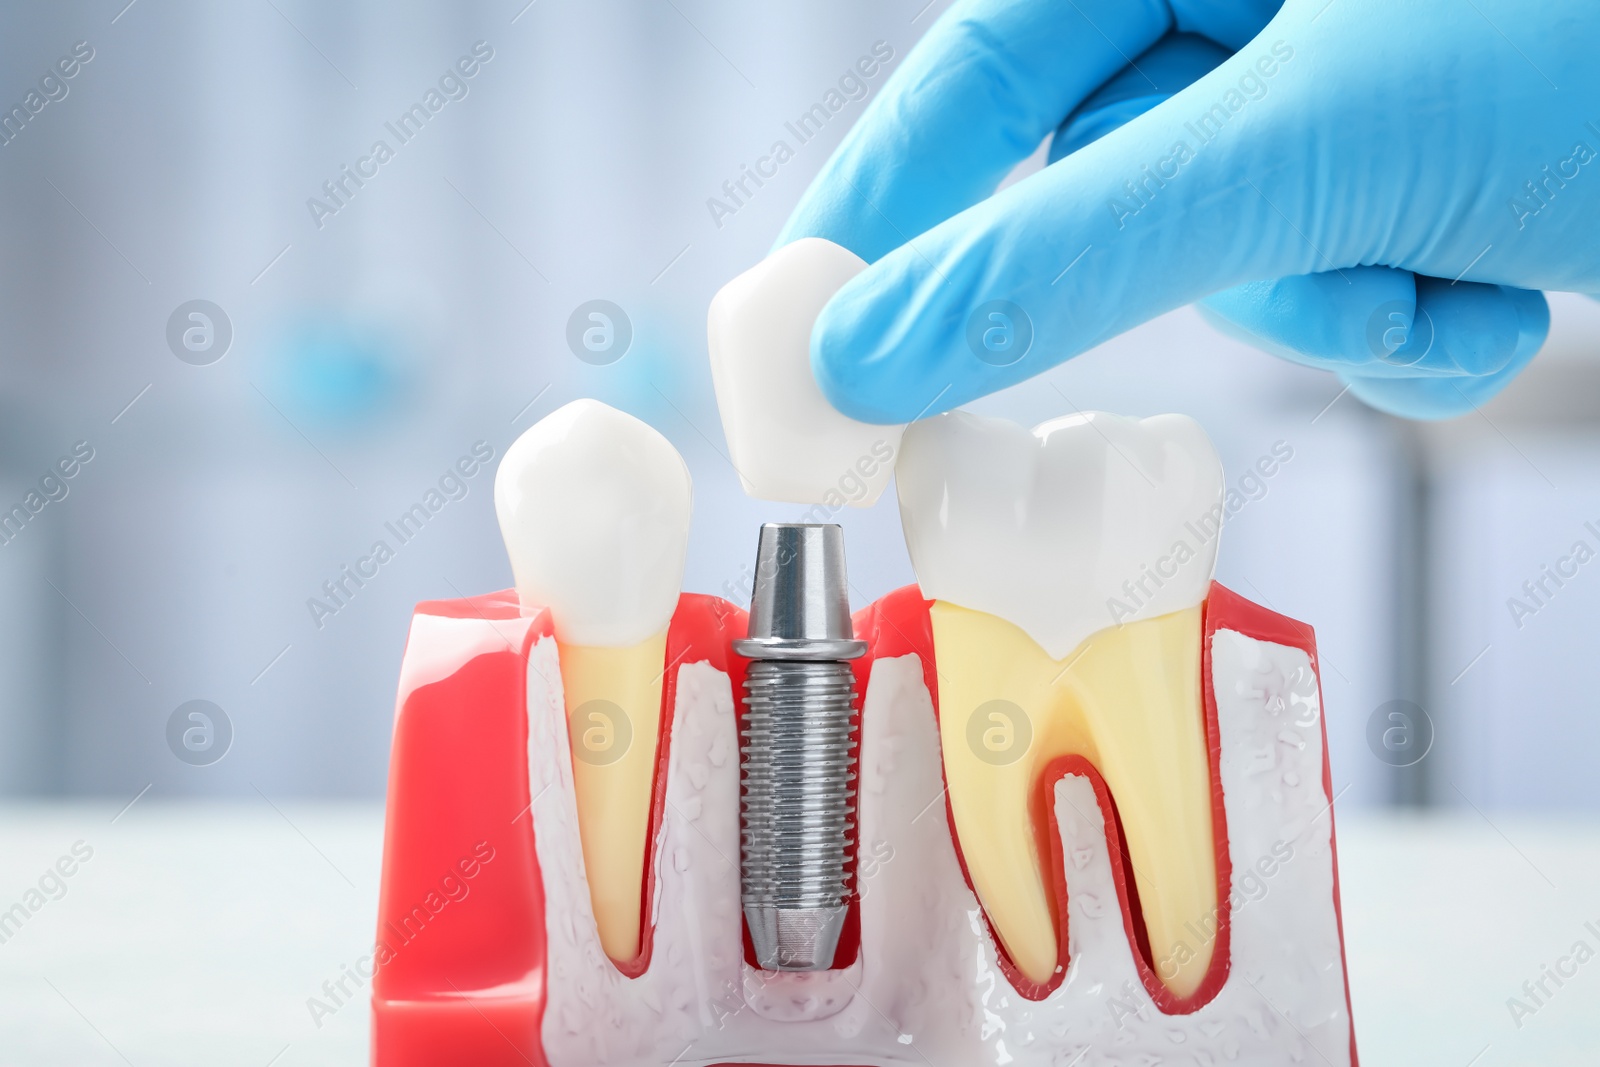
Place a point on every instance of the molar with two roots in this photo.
(1030, 546)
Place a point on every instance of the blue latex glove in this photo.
(1411, 172)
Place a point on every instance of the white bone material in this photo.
(927, 988)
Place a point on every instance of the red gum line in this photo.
(471, 987)
(477, 993)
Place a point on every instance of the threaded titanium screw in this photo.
(797, 751)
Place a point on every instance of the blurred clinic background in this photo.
(379, 333)
(359, 335)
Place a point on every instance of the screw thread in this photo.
(798, 760)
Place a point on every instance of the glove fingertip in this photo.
(1435, 399)
(1533, 320)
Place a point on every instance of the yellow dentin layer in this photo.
(613, 698)
(1128, 700)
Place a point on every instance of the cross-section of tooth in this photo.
(594, 507)
(1068, 566)
(786, 441)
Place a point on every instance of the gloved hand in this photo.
(1411, 172)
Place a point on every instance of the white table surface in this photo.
(196, 933)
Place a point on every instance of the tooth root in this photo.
(613, 698)
(1128, 700)
(595, 507)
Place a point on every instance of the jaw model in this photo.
(1094, 822)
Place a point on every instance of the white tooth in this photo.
(1092, 537)
(786, 440)
(1062, 530)
(594, 506)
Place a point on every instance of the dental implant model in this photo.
(797, 748)
(1082, 812)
